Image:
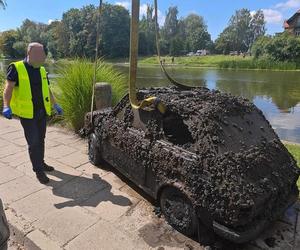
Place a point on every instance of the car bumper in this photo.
(254, 230)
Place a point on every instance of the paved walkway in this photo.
(83, 207)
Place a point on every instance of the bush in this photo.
(75, 88)
(282, 48)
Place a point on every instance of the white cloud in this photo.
(125, 4)
(273, 16)
(252, 13)
(50, 21)
(290, 4)
(143, 9)
(161, 18)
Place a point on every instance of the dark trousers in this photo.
(35, 130)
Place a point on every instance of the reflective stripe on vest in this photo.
(21, 101)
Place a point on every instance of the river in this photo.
(276, 93)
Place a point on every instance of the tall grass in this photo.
(74, 92)
(258, 64)
(2, 79)
(295, 151)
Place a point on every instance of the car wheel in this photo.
(94, 150)
(178, 211)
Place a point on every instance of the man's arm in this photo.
(7, 94)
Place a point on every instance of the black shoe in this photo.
(42, 177)
(48, 168)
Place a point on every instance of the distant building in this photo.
(292, 25)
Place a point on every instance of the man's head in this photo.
(36, 55)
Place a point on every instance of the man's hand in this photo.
(7, 112)
(58, 109)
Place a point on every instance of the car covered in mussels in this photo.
(212, 160)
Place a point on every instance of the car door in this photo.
(126, 147)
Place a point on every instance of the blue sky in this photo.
(216, 13)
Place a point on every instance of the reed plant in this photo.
(264, 64)
(75, 86)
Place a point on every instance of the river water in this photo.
(276, 93)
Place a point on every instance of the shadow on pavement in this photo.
(83, 191)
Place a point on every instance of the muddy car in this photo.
(212, 160)
(4, 229)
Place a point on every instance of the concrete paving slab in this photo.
(34, 207)
(8, 174)
(26, 168)
(64, 225)
(42, 241)
(20, 142)
(77, 190)
(74, 160)
(89, 169)
(10, 149)
(110, 204)
(11, 136)
(8, 129)
(19, 188)
(16, 159)
(103, 236)
(59, 151)
(115, 181)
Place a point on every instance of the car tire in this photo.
(94, 150)
(178, 211)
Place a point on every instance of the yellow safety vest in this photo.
(21, 101)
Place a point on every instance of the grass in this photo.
(74, 88)
(295, 151)
(196, 61)
(223, 62)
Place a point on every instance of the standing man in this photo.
(28, 96)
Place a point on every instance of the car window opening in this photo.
(175, 130)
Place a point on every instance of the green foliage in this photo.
(295, 151)
(75, 88)
(281, 48)
(7, 40)
(258, 64)
(243, 30)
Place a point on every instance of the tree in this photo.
(196, 34)
(7, 40)
(243, 29)
(147, 33)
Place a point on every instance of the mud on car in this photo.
(4, 229)
(211, 161)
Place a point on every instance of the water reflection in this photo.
(276, 93)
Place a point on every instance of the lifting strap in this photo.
(96, 57)
(172, 80)
(133, 65)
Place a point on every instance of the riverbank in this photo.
(222, 62)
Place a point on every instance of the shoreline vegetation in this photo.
(222, 62)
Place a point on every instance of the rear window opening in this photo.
(175, 130)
